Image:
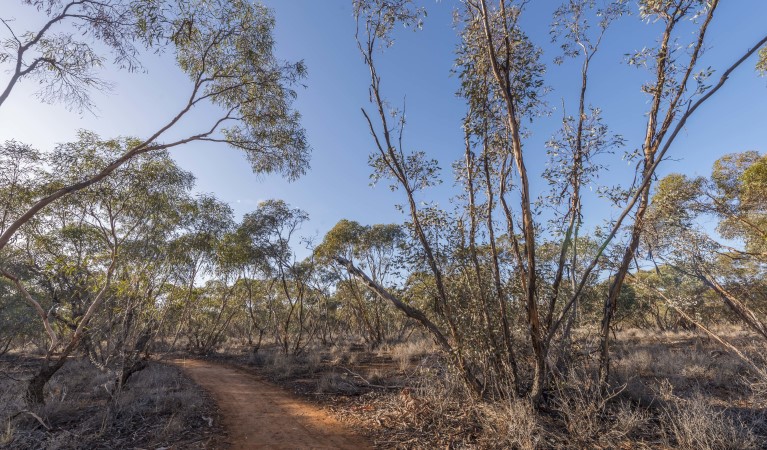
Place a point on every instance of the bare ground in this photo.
(259, 415)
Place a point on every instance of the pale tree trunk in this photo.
(502, 77)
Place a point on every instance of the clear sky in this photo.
(417, 68)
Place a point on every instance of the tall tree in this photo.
(71, 255)
(375, 248)
(512, 299)
(731, 264)
(270, 229)
(226, 50)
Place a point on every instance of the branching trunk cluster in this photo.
(503, 320)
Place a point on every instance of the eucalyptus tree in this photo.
(341, 240)
(150, 202)
(224, 47)
(71, 255)
(238, 256)
(730, 262)
(575, 148)
(205, 222)
(270, 231)
(378, 248)
(502, 84)
(677, 83)
(512, 301)
(63, 55)
(19, 178)
(16, 326)
(515, 72)
(650, 309)
(208, 322)
(121, 338)
(411, 171)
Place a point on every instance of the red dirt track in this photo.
(258, 415)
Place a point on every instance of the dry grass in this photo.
(406, 353)
(159, 407)
(405, 396)
(438, 412)
(278, 366)
(758, 393)
(689, 361)
(345, 368)
(337, 383)
(592, 418)
(693, 424)
(705, 398)
(640, 412)
(435, 412)
(512, 424)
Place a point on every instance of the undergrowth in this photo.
(159, 407)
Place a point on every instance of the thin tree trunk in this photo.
(528, 224)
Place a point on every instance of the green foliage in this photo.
(65, 55)
(16, 324)
(377, 249)
(675, 198)
(665, 8)
(270, 229)
(19, 179)
(734, 194)
(739, 199)
(381, 16)
(761, 65)
(727, 170)
(206, 221)
(110, 235)
(754, 185)
(354, 241)
(226, 47)
(691, 254)
(522, 60)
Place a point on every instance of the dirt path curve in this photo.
(258, 415)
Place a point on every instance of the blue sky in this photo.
(417, 69)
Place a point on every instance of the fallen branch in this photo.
(368, 383)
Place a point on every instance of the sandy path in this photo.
(258, 415)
